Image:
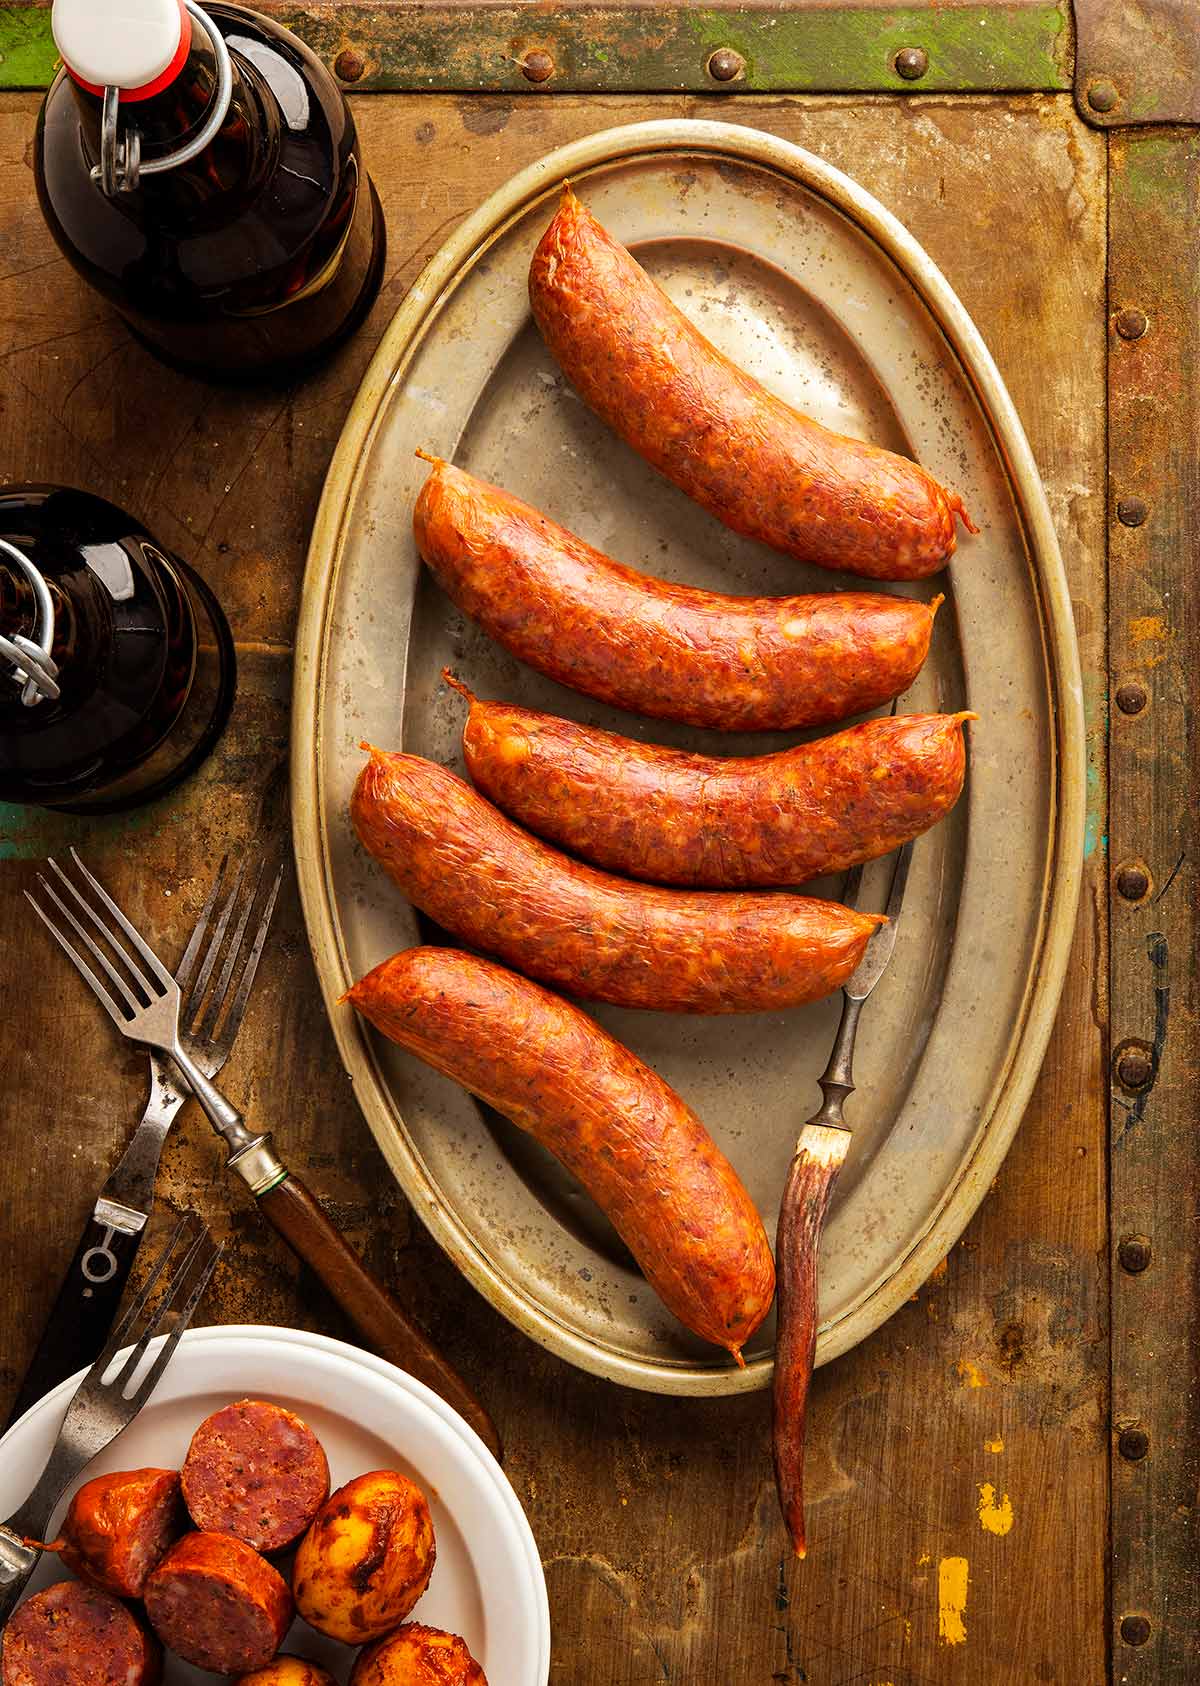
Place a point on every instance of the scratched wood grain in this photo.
(959, 1457)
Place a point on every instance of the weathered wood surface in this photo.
(972, 1429)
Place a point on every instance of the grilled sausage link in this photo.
(737, 664)
(675, 818)
(640, 1152)
(590, 934)
(751, 460)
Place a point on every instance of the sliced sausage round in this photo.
(216, 1603)
(77, 1635)
(417, 1656)
(118, 1526)
(256, 1471)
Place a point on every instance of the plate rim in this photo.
(259, 1333)
(1032, 1026)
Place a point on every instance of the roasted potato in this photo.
(417, 1656)
(366, 1559)
(286, 1671)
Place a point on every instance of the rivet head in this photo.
(1133, 1444)
(911, 63)
(1102, 95)
(1133, 881)
(537, 66)
(725, 65)
(1135, 1630)
(1131, 512)
(349, 66)
(1134, 1253)
(1134, 1066)
(1131, 324)
(1131, 697)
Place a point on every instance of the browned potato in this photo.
(417, 1656)
(366, 1559)
(286, 1671)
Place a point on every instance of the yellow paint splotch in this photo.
(995, 1515)
(970, 1373)
(952, 1600)
(1150, 629)
(996, 1445)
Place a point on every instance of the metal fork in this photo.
(103, 1405)
(818, 1159)
(95, 1280)
(148, 1012)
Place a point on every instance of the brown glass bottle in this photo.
(252, 259)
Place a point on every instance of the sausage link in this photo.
(118, 1526)
(675, 818)
(751, 460)
(737, 664)
(641, 1153)
(216, 1603)
(590, 934)
(75, 1635)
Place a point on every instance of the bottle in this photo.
(200, 169)
(117, 668)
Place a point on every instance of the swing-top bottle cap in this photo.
(138, 46)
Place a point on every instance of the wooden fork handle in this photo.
(383, 1326)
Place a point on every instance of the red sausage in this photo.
(592, 935)
(76, 1635)
(256, 1471)
(118, 1526)
(752, 461)
(216, 1603)
(675, 818)
(738, 664)
(641, 1153)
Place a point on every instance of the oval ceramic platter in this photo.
(806, 280)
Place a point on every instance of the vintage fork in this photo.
(819, 1157)
(91, 1291)
(149, 1012)
(103, 1405)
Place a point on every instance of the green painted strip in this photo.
(620, 49)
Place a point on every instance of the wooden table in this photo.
(981, 1425)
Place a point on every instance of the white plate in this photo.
(487, 1584)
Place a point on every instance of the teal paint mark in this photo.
(30, 834)
(1095, 710)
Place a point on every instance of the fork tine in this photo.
(234, 1019)
(147, 953)
(221, 988)
(154, 1321)
(81, 965)
(196, 998)
(201, 1275)
(852, 886)
(132, 1000)
(117, 1338)
(183, 971)
(899, 882)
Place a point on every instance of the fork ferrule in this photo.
(258, 1165)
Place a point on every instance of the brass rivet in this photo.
(1132, 324)
(537, 66)
(1102, 95)
(1133, 1444)
(1134, 1064)
(349, 66)
(725, 65)
(911, 63)
(1131, 512)
(1131, 697)
(1134, 1253)
(1135, 1630)
(1133, 881)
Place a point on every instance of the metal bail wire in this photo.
(121, 167)
(34, 667)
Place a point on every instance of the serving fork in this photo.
(104, 1404)
(142, 999)
(217, 986)
(818, 1159)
